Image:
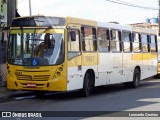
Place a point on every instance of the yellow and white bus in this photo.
(63, 54)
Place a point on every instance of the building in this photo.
(7, 13)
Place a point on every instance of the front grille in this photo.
(41, 77)
(33, 78)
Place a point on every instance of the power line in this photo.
(130, 4)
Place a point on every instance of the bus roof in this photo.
(74, 20)
(115, 26)
(144, 30)
(48, 21)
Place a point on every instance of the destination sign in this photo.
(40, 21)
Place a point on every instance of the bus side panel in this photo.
(90, 62)
(75, 76)
(104, 67)
(116, 73)
(78, 66)
(128, 67)
(149, 65)
(137, 61)
(154, 57)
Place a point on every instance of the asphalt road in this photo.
(112, 99)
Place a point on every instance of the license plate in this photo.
(31, 85)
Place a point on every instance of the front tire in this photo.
(86, 85)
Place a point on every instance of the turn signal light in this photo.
(58, 73)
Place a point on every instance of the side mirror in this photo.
(73, 35)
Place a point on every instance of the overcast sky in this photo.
(99, 10)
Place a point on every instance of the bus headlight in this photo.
(58, 73)
(60, 69)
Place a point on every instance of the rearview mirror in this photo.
(73, 35)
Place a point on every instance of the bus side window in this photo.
(145, 43)
(103, 39)
(88, 38)
(73, 45)
(136, 42)
(126, 38)
(115, 41)
(153, 43)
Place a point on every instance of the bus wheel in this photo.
(86, 85)
(157, 76)
(136, 80)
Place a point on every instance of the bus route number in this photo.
(18, 73)
(89, 58)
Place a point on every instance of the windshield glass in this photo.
(36, 47)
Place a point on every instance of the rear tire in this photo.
(157, 76)
(136, 80)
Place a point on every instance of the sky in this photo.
(99, 10)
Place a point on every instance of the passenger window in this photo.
(153, 43)
(126, 38)
(136, 42)
(145, 43)
(88, 38)
(73, 45)
(115, 41)
(103, 39)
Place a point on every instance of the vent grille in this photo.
(33, 78)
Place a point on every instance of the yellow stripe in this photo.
(144, 56)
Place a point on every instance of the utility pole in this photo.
(11, 11)
(30, 8)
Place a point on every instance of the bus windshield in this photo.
(36, 47)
